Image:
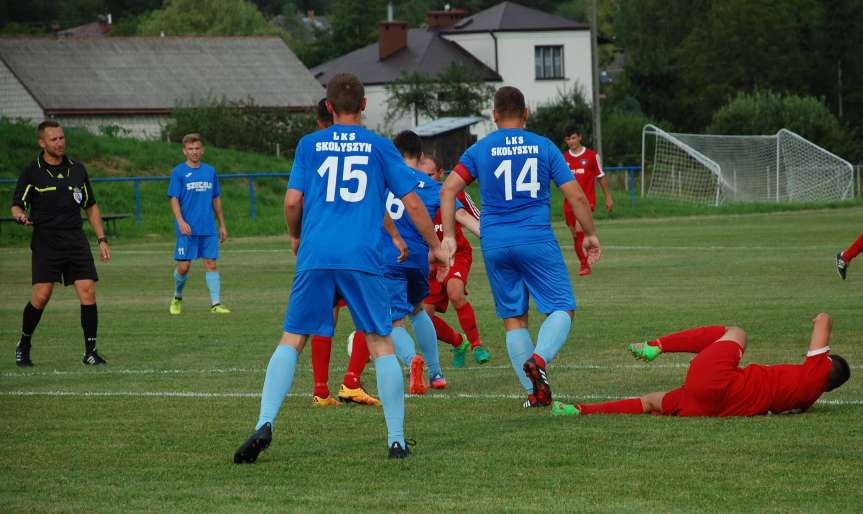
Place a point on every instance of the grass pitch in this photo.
(156, 429)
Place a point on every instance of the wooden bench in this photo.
(109, 220)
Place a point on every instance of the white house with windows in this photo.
(507, 44)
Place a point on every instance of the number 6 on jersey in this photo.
(532, 183)
(329, 168)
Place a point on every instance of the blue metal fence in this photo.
(631, 174)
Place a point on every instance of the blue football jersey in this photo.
(514, 168)
(344, 173)
(195, 189)
(428, 191)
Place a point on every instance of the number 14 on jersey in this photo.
(526, 181)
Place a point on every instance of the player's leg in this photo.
(321, 348)
(182, 250)
(39, 297)
(574, 229)
(844, 258)
(649, 403)
(584, 265)
(691, 340)
(86, 290)
(352, 389)
(417, 290)
(210, 252)
(308, 313)
(445, 333)
(511, 304)
(457, 292)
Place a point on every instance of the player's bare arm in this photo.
(822, 326)
(95, 218)
(294, 211)
(453, 185)
(223, 230)
(398, 242)
(467, 221)
(581, 208)
(185, 229)
(609, 203)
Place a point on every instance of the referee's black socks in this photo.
(90, 324)
(31, 318)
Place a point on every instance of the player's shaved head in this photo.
(509, 102)
(840, 372)
(409, 144)
(345, 93)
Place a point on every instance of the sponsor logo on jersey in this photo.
(199, 186)
(188, 174)
(584, 162)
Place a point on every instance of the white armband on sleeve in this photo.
(819, 351)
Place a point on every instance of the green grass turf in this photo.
(125, 438)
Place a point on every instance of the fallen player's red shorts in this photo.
(710, 373)
(437, 290)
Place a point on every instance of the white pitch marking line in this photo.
(439, 396)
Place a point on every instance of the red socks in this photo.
(467, 320)
(539, 360)
(357, 363)
(321, 349)
(579, 248)
(627, 406)
(446, 333)
(852, 251)
(692, 340)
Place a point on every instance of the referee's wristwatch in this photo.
(102, 240)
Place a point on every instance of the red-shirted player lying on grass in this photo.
(716, 386)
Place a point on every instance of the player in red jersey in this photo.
(716, 386)
(453, 288)
(843, 259)
(584, 164)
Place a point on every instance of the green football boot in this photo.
(564, 409)
(176, 307)
(644, 351)
(458, 354)
(219, 309)
(481, 355)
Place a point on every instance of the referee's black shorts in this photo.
(61, 256)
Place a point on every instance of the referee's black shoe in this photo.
(93, 359)
(22, 356)
(248, 452)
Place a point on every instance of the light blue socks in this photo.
(427, 341)
(552, 335)
(277, 383)
(179, 283)
(214, 284)
(520, 348)
(391, 389)
(403, 344)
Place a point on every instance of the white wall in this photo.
(15, 101)
(374, 117)
(139, 127)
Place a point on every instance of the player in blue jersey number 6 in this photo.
(335, 207)
(514, 168)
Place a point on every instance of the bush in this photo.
(621, 142)
(551, 119)
(241, 125)
(765, 112)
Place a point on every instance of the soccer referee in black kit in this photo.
(54, 189)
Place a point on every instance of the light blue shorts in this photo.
(407, 287)
(189, 248)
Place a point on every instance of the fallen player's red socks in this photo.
(321, 349)
(852, 251)
(357, 362)
(445, 332)
(467, 320)
(692, 340)
(539, 360)
(579, 249)
(627, 406)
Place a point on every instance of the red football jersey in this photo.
(462, 244)
(585, 166)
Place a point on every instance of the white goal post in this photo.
(714, 169)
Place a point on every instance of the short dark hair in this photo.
(345, 92)
(509, 102)
(438, 163)
(571, 129)
(324, 116)
(409, 144)
(45, 124)
(840, 372)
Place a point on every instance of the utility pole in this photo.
(594, 57)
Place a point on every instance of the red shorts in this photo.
(437, 290)
(341, 303)
(710, 374)
(569, 216)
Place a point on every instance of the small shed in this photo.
(447, 138)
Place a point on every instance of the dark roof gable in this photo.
(512, 17)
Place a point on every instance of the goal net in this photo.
(715, 169)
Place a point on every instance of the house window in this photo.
(548, 62)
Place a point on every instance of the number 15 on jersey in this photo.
(330, 169)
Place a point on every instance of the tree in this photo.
(551, 119)
(206, 18)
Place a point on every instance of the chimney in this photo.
(443, 19)
(392, 37)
